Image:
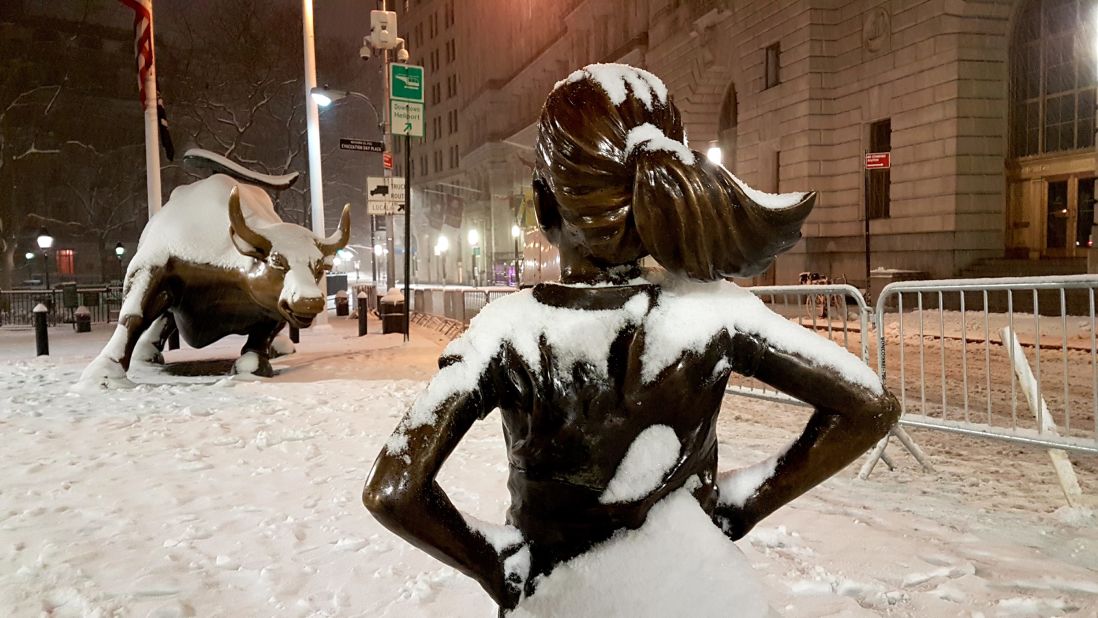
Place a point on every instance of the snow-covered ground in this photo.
(209, 496)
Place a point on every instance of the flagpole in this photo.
(152, 129)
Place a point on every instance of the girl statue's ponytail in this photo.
(614, 179)
(697, 220)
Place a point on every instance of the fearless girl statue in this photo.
(609, 382)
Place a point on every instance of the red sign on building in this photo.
(878, 160)
(387, 160)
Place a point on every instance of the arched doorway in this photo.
(1050, 172)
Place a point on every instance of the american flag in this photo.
(142, 40)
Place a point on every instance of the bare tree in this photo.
(236, 88)
(94, 195)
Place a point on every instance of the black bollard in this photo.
(295, 334)
(41, 337)
(362, 311)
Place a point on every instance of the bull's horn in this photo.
(340, 237)
(240, 227)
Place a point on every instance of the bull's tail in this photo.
(197, 157)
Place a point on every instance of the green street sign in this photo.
(406, 118)
(406, 82)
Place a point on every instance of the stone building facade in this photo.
(986, 108)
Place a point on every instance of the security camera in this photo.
(365, 52)
(402, 55)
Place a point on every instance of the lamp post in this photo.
(474, 240)
(45, 241)
(441, 247)
(120, 251)
(357, 264)
(29, 257)
(515, 233)
(378, 252)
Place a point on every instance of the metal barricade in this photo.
(16, 306)
(1011, 359)
(473, 301)
(836, 311)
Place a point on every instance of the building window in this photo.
(1052, 82)
(878, 182)
(773, 65)
(66, 261)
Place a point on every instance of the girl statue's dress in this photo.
(609, 384)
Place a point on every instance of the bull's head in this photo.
(290, 261)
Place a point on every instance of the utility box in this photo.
(82, 320)
(392, 312)
(69, 297)
(336, 283)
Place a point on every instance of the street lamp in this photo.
(45, 241)
(516, 231)
(474, 238)
(326, 96)
(714, 154)
(119, 251)
(29, 256)
(441, 247)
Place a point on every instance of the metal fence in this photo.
(459, 305)
(16, 306)
(1011, 359)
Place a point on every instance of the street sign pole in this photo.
(407, 235)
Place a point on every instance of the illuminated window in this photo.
(1052, 78)
(66, 261)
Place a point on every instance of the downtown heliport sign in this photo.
(406, 100)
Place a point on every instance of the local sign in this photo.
(406, 118)
(384, 195)
(361, 145)
(878, 160)
(406, 82)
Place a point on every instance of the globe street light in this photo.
(45, 241)
(29, 256)
(119, 251)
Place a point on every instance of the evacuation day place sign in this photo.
(406, 99)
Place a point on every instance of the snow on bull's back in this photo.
(194, 224)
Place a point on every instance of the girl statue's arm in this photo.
(403, 495)
(848, 419)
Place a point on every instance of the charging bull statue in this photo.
(222, 262)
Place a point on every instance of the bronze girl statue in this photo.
(609, 383)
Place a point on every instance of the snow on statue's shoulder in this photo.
(613, 79)
(690, 313)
